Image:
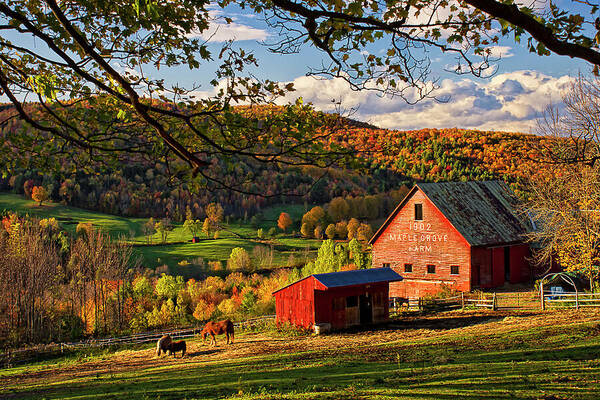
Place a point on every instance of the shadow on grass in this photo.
(479, 378)
(203, 352)
(450, 322)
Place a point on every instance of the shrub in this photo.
(364, 232)
(318, 232)
(215, 265)
(306, 230)
(341, 229)
(352, 228)
(84, 229)
(330, 231)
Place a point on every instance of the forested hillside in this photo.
(383, 160)
(431, 155)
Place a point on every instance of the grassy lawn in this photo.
(458, 355)
(69, 217)
(178, 246)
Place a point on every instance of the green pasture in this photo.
(558, 361)
(69, 217)
(178, 246)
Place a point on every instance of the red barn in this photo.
(342, 299)
(464, 235)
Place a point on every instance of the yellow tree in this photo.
(565, 206)
(565, 194)
(214, 216)
(39, 194)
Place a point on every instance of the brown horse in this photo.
(178, 346)
(218, 328)
(163, 344)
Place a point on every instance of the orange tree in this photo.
(39, 194)
(284, 221)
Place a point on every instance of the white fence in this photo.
(499, 301)
(570, 300)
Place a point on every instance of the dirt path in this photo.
(356, 342)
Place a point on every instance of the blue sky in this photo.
(512, 99)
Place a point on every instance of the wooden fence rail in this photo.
(500, 301)
(12, 357)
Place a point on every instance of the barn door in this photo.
(476, 277)
(366, 309)
(339, 313)
(507, 264)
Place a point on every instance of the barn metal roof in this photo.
(357, 277)
(483, 212)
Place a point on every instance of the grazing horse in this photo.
(218, 328)
(178, 346)
(163, 344)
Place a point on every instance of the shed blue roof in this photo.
(357, 277)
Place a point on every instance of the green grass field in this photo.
(178, 247)
(457, 355)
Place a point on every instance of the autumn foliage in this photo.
(284, 221)
(39, 194)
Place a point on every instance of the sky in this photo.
(513, 98)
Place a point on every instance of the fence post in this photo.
(576, 299)
(542, 301)
(462, 300)
(494, 302)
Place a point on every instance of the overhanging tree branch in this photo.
(539, 31)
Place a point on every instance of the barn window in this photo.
(430, 269)
(407, 267)
(454, 270)
(418, 212)
(352, 301)
(386, 265)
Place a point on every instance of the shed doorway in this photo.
(366, 309)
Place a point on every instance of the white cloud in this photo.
(221, 31)
(218, 32)
(511, 101)
(501, 52)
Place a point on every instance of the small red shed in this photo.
(461, 235)
(342, 299)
